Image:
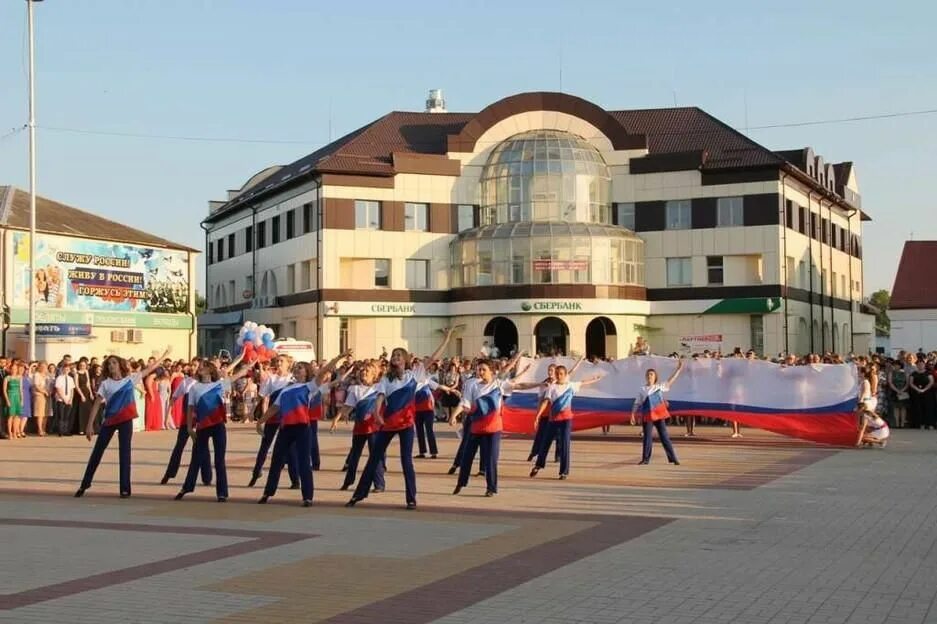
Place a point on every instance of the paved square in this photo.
(761, 530)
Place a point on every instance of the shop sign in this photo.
(552, 306)
(393, 308)
(702, 342)
(547, 264)
(63, 329)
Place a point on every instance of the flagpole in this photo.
(32, 183)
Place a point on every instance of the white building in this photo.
(544, 223)
(913, 307)
(100, 287)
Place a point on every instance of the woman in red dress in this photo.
(175, 411)
(154, 405)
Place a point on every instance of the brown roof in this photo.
(915, 286)
(53, 217)
(369, 150)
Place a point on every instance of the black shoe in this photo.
(294, 486)
(315, 469)
(80, 493)
(563, 477)
(643, 462)
(453, 469)
(675, 462)
(345, 468)
(479, 474)
(377, 490)
(530, 457)
(253, 480)
(206, 483)
(433, 456)
(263, 500)
(125, 494)
(456, 491)
(354, 501)
(421, 456)
(490, 493)
(164, 480)
(307, 502)
(344, 487)
(179, 495)
(534, 471)
(222, 499)
(411, 506)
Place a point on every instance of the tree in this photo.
(201, 304)
(881, 299)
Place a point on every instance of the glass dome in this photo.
(545, 175)
(547, 253)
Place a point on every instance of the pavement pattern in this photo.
(761, 530)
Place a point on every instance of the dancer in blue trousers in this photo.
(360, 403)
(206, 416)
(558, 402)
(269, 390)
(116, 396)
(426, 418)
(541, 425)
(394, 413)
(182, 435)
(654, 414)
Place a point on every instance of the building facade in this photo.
(913, 307)
(99, 288)
(547, 224)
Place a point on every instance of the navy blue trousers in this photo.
(291, 439)
(218, 434)
(463, 444)
(354, 456)
(424, 432)
(490, 446)
(266, 440)
(543, 429)
(124, 433)
(314, 444)
(559, 431)
(648, 442)
(382, 440)
(175, 458)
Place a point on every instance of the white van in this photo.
(299, 350)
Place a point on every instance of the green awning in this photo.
(746, 305)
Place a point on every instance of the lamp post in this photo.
(32, 181)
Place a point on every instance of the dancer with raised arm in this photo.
(181, 394)
(650, 401)
(541, 424)
(360, 403)
(270, 388)
(394, 413)
(558, 399)
(116, 396)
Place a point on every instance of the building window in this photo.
(382, 272)
(418, 274)
(714, 270)
(625, 215)
(249, 285)
(343, 334)
(825, 231)
(678, 215)
(367, 215)
(415, 217)
(249, 239)
(261, 235)
(679, 272)
(791, 277)
(309, 217)
(306, 276)
(789, 214)
(466, 217)
(219, 249)
(231, 245)
(211, 253)
(275, 230)
(802, 221)
(290, 224)
(729, 212)
(290, 279)
(600, 213)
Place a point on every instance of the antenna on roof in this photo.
(435, 102)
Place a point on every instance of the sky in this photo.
(294, 73)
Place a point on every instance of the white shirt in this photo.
(476, 388)
(387, 386)
(273, 383)
(109, 386)
(183, 388)
(556, 390)
(199, 388)
(647, 391)
(64, 388)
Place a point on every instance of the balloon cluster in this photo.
(255, 342)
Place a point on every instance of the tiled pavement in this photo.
(761, 531)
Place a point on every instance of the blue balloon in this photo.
(268, 341)
(249, 336)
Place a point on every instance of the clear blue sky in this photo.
(275, 70)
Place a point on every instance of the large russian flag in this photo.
(810, 402)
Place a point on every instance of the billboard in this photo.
(86, 275)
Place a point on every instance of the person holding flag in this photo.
(650, 401)
(394, 414)
(558, 399)
(116, 396)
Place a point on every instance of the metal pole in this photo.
(32, 183)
